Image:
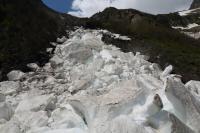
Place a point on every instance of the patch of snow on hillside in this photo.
(187, 12)
(189, 26)
(116, 36)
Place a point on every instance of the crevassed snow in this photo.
(91, 87)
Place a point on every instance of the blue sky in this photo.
(86, 8)
(59, 5)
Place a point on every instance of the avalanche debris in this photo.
(91, 87)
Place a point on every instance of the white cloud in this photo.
(86, 8)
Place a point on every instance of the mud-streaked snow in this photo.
(91, 87)
(187, 12)
(189, 26)
(193, 34)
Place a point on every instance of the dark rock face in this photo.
(26, 28)
(195, 4)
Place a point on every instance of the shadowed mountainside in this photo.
(26, 28)
(195, 4)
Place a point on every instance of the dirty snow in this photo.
(187, 12)
(189, 26)
(91, 87)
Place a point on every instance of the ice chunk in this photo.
(178, 126)
(112, 69)
(9, 87)
(2, 97)
(186, 106)
(36, 103)
(15, 75)
(11, 127)
(61, 40)
(124, 124)
(33, 66)
(79, 85)
(32, 120)
(105, 54)
(56, 61)
(49, 50)
(66, 117)
(81, 55)
(194, 86)
(167, 71)
(6, 111)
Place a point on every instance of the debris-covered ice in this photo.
(91, 87)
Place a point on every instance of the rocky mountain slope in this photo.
(26, 28)
(188, 22)
(153, 36)
(195, 4)
(90, 87)
(192, 28)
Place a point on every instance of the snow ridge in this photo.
(91, 87)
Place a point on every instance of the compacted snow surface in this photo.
(90, 87)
